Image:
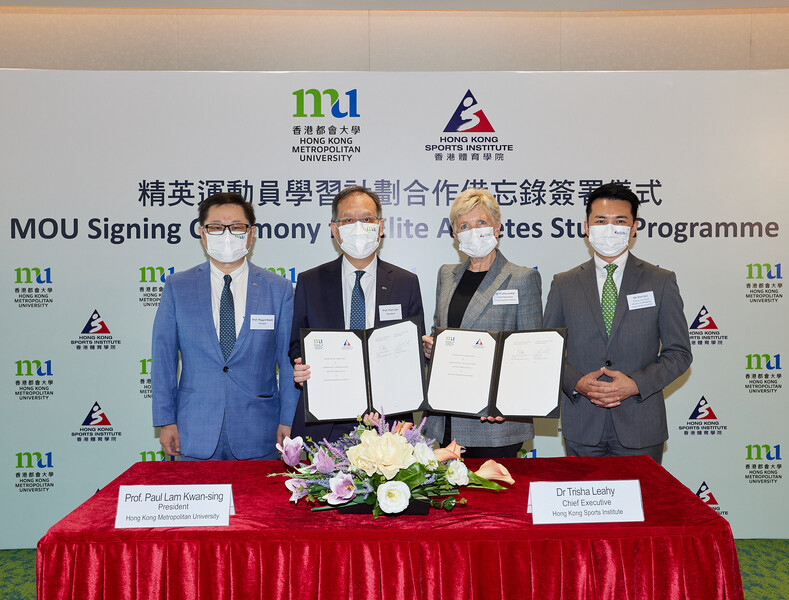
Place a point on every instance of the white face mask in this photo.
(478, 242)
(359, 240)
(226, 248)
(609, 240)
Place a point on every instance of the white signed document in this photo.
(396, 373)
(531, 367)
(337, 387)
(461, 370)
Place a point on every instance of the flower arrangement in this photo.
(383, 467)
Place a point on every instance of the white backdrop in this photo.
(101, 173)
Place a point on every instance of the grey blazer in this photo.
(650, 345)
(483, 315)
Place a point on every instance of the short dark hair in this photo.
(613, 191)
(225, 198)
(354, 189)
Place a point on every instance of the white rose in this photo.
(457, 473)
(385, 454)
(425, 456)
(393, 496)
(391, 453)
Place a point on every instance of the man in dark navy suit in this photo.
(355, 291)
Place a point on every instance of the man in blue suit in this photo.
(230, 322)
(356, 291)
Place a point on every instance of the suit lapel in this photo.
(254, 288)
(332, 286)
(383, 288)
(588, 281)
(448, 288)
(630, 278)
(484, 296)
(205, 308)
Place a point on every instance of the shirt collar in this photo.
(619, 261)
(348, 269)
(217, 272)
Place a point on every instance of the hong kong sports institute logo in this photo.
(469, 117)
(96, 427)
(469, 136)
(95, 325)
(705, 495)
(703, 421)
(704, 331)
(95, 335)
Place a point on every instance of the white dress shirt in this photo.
(238, 287)
(602, 274)
(368, 289)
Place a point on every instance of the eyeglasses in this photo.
(351, 221)
(219, 229)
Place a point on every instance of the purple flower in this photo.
(322, 462)
(298, 487)
(291, 450)
(342, 489)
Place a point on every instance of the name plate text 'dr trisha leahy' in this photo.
(586, 501)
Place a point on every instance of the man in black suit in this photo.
(355, 291)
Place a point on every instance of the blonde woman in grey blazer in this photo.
(467, 296)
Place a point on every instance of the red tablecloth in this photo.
(488, 549)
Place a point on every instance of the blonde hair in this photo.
(471, 198)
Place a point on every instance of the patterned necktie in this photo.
(609, 297)
(358, 318)
(227, 319)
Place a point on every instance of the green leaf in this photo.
(413, 476)
(475, 480)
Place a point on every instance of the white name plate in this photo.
(174, 506)
(586, 501)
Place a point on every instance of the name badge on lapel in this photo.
(390, 312)
(505, 297)
(261, 322)
(642, 300)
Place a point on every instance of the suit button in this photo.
(225, 369)
(607, 364)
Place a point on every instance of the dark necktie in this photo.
(609, 297)
(358, 318)
(227, 319)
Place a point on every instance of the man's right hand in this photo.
(301, 373)
(168, 438)
(605, 394)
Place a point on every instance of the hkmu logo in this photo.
(26, 275)
(770, 453)
(758, 362)
(335, 103)
(155, 274)
(151, 455)
(764, 270)
(33, 368)
(33, 460)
